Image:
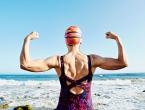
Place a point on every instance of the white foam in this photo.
(113, 82)
(26, 83)
(106, 94)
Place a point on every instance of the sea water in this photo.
(42, 77)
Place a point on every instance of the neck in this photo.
(74, 49)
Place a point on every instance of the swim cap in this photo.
(73, 35)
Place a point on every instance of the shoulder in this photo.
(54, 57)
(96, 59)
(53, 60)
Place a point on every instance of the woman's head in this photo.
(73, 35)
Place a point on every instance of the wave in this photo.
(26, 83)
(55, 82)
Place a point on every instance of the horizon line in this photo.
(56, 74)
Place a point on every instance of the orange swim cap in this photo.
(73, 35)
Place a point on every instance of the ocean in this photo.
(45, 77)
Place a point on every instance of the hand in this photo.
(32, 36)
(110, 35)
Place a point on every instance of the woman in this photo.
(74, 69)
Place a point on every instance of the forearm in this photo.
(121, 52)
(24, 57)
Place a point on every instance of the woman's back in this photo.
(75, 80)
(76, 66)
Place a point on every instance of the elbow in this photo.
(24, 66)
(124, 64)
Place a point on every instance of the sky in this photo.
(50, 18)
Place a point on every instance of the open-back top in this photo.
(71, 101)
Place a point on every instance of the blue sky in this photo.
(51, 17)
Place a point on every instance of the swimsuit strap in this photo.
(89, 64)
(62, 65)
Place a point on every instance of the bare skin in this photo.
(75, 62)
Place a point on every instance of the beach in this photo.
(108, 94)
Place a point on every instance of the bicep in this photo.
(107, 63)
(42, 64)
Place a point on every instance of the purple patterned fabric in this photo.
(70, 101)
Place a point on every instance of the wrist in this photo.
(117, 38)
(27, 39)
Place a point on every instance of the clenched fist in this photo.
(110, 35)
(32, 36)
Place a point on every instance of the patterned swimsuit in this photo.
(70, 101)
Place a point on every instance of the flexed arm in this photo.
(112, 63)
(35, 65)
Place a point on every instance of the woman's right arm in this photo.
(41, 65)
